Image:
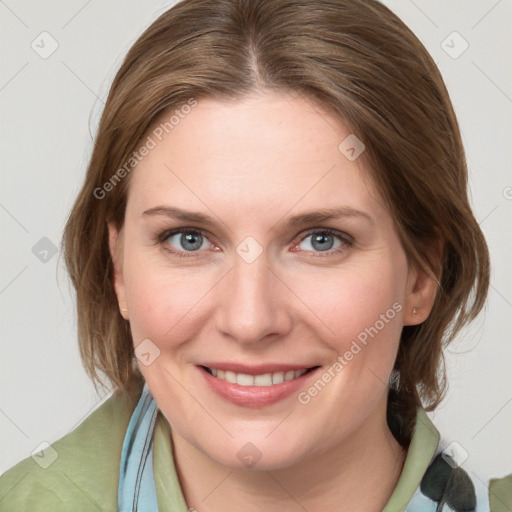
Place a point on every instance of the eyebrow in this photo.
(308, 217)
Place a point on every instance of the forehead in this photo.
(269, 150)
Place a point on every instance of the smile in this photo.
(265, 379)
(255, 386)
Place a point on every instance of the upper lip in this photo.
(256, 369)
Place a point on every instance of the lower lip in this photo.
(255, 396)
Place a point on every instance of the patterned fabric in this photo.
(90, 465)
(444, 487)
(137, 491)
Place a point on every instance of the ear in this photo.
(115, 242)
(421, 289)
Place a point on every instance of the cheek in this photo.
(361, 323)
(352, 305)
(165, 302)
(357, 303)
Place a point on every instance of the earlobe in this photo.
(115, 246)
(421, 294)
(423, 284)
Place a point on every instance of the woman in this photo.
(272, 245)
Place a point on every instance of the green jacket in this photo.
(84, 475)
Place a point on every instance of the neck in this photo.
(360, 473)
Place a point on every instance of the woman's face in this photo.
(257, 290)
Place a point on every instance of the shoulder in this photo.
(78, 471)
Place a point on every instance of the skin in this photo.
(251, 164)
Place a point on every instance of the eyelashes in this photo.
(322, 233)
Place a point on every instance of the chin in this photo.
(258, 453)
(252, 459)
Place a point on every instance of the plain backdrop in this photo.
(49, 109)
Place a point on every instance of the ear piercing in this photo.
(124, 309)
(414, 311)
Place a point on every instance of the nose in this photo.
(252, 306)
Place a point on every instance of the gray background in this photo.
(49, 109)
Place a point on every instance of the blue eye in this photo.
(190, 240)
(323, 240)
(184, 242)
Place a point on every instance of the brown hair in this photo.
(360, 61)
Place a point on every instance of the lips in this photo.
(255, 386)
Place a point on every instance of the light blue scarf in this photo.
(137, 490)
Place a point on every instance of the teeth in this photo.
(277, 378)
(266, 379)
(230, 377)
(244, 380)
(260, 380)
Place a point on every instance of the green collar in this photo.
(168, 489)
(419, 455)
(421, 450)
(86, 471)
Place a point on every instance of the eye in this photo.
(323, 241)
(183, 240)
